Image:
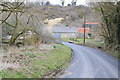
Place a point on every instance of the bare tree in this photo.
(47, 3)
(62, 2)
(74, 2)
(42, 2)
(20, 18)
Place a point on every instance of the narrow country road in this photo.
(90, 63)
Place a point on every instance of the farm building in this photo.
(64, 32)
(60, 32)
(91, 25)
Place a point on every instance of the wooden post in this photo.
(0, 34)
(84, 27)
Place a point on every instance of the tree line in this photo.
(110, 22)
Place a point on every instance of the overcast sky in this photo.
(67, 1)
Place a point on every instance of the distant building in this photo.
(64, 32)
(91, 25)
(93, 28)
(60, 32)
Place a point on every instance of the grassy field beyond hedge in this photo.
(41, 64)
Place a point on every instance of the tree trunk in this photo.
(12, 40)
(0, 29)
(118, 26)
(14, 37)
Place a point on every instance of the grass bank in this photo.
(39, 65)
(88, 42)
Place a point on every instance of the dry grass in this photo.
(34, 62)
(14, 56)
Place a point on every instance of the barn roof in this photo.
(61, 29)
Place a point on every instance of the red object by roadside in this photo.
(81, 30)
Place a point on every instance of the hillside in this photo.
(72, 15)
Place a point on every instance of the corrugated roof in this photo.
(61, 29)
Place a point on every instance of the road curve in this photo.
(90, 63)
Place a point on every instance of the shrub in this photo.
(89, 34)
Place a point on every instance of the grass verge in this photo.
(97, 45)
(41, 65)
(116, 54)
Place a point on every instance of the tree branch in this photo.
(6, 17)
(12, 10)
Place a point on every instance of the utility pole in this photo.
(84, 27)
(0, 34)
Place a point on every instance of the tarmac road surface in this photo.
(90, 63)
